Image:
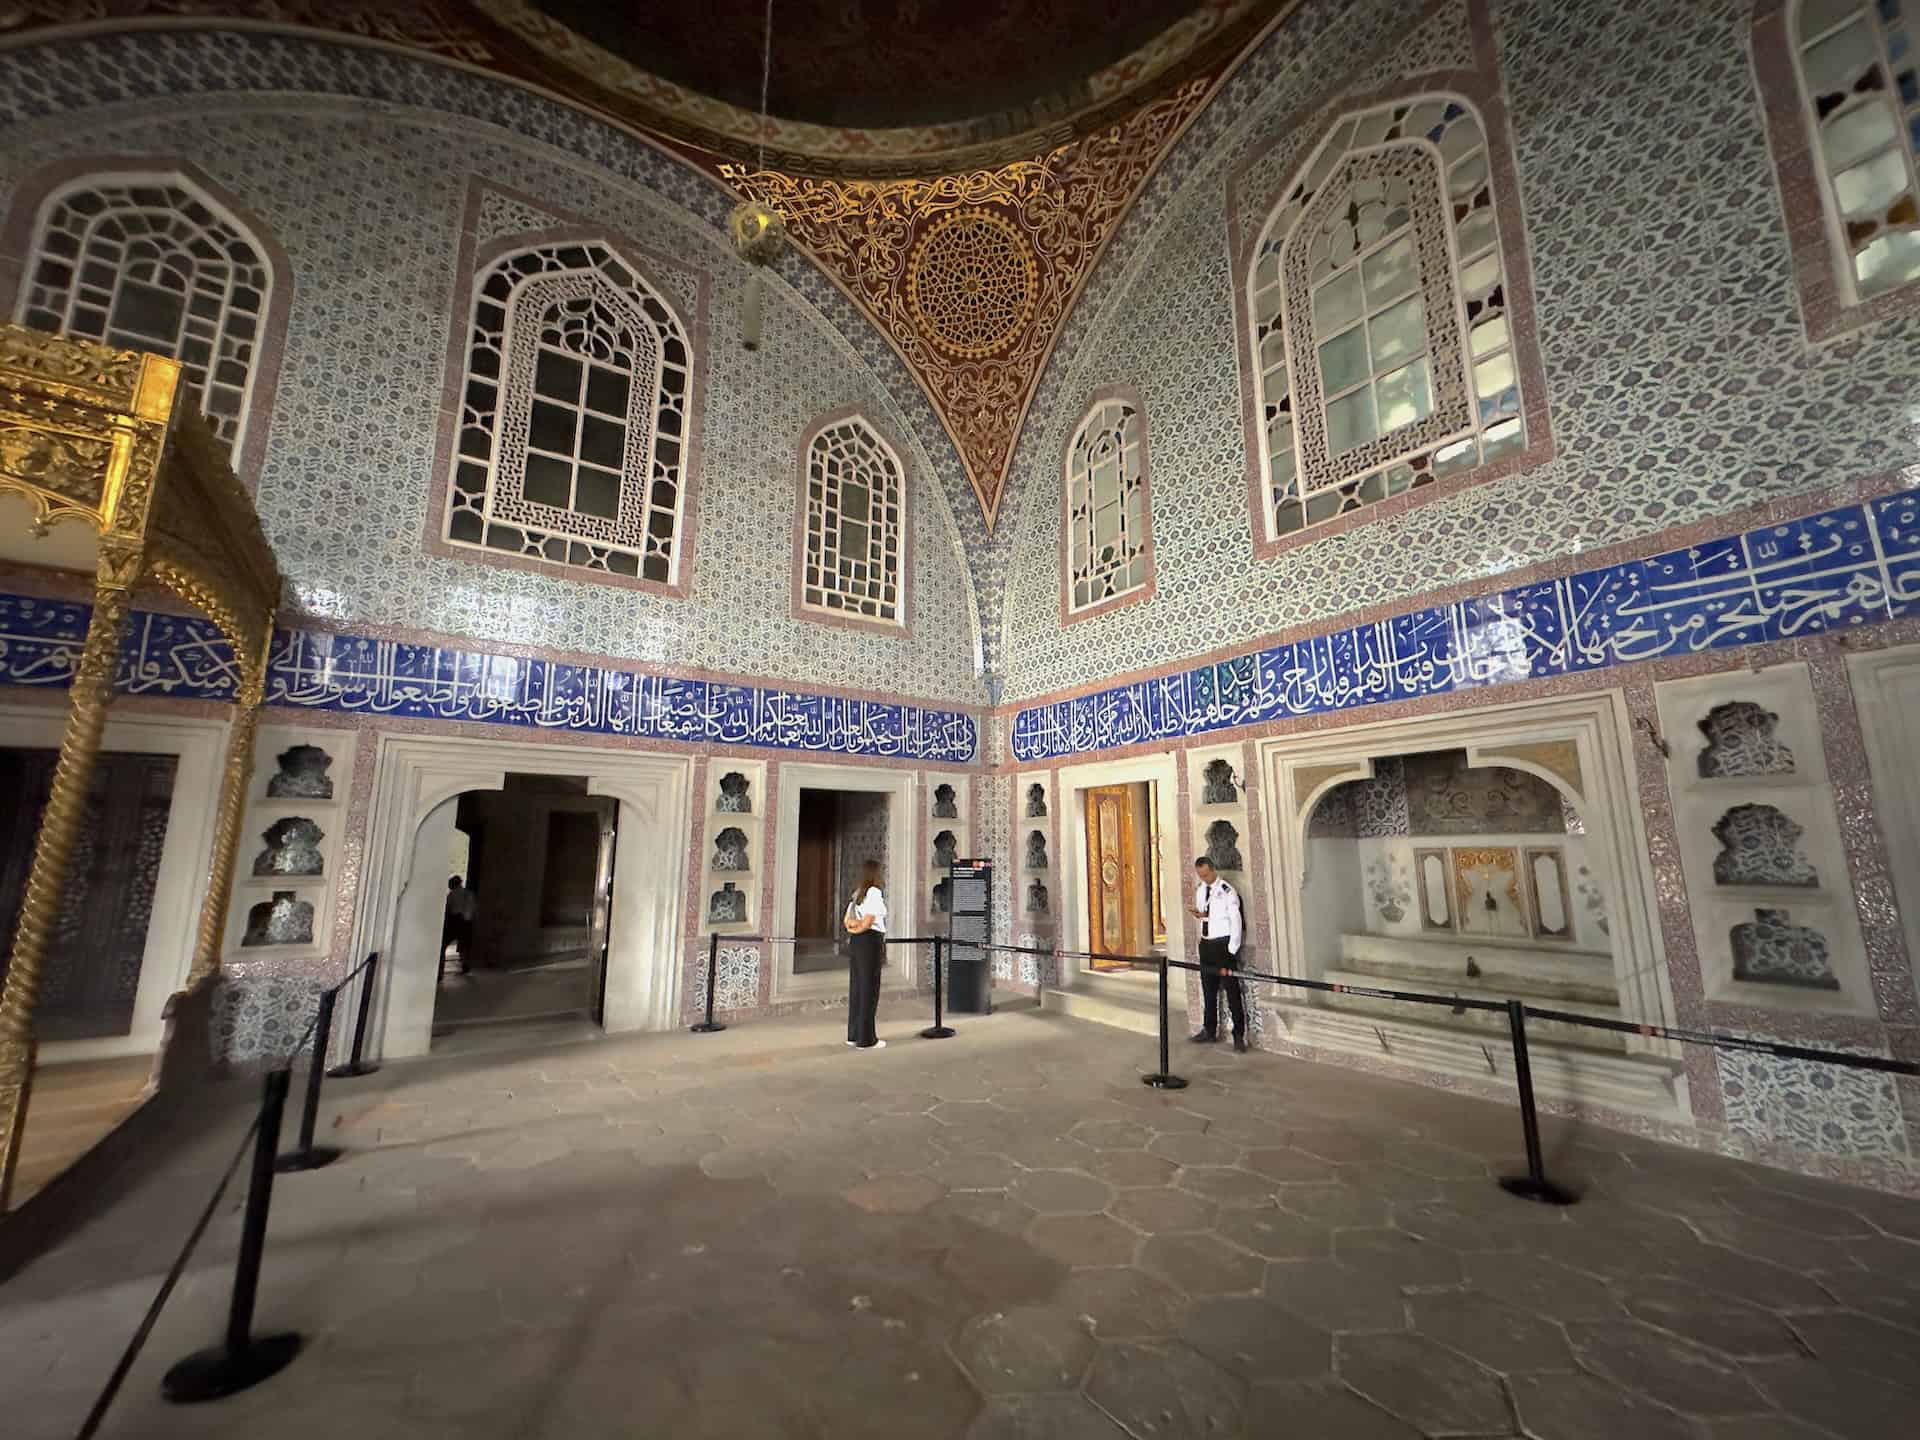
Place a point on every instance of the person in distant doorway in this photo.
(457, 928)
(866, 922)
(1216, 905)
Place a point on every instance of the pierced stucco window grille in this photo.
(1381, 337)
(151, 262)
(1107, 545)
(573, 421)
(855, 522)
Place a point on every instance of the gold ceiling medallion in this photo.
(932, 262)
(972, 282)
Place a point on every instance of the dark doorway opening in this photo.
(539, 863)
(840, 830)
(90, 976)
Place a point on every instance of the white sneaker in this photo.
(852, 1046)
(877, 1045)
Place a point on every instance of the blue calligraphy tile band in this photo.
(183, 657)
(1843, 568)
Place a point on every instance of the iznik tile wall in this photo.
(1857, 565)
(368, 201)
(1680, 381)
(184, 658)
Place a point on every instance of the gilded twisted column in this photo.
(87, 700)
(226, 834)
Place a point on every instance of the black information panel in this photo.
(970, 925)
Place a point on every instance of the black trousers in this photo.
(1213, 954)
(867, 955)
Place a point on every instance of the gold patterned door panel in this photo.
(1113, 875)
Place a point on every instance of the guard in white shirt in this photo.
(1216, 905)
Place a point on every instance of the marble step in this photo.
(1557, 977)
(1125, 1003)
(1491, 1022)
(1637, 1083)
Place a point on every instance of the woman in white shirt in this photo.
(866, 922)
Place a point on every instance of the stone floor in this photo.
(1003, 1236)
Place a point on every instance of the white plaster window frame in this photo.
(1079, 485)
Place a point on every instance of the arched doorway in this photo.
(411, 824)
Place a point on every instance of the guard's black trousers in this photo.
(1213, 954)
(867, 954)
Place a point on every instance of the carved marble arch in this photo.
(577, 411)
(148, 253)
(1382, 343)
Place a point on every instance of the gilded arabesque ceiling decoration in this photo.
(1016, 241)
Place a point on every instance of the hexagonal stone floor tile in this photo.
(1083, 1240)
(1025, 1350)
(1320, 1410)
(1498, 1336)
(1061, 1192)
(1584, 1407)
(974, 1170)
(1166, 1390)
(1541, 1287)
(1276, 1234)
(1430, 1387)
(1335, 1296)
(1289, 1166)
(895, 1195)
(1160, 1208)
(1044, 1417)
(1201, 1264)
(1131, 1167)
(1124, 1304)
(1194, 1148)
(1112, 1134)
(1397, 1256)
(1257, 1341)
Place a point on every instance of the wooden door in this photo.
(1115, 884)
(816, 908)
(91, 973)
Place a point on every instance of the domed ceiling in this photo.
(956, 166)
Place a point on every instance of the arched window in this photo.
(154, 262)
(852, 541)
(1860, 87)
(573, 430)
(1106, 545)
(1382, 342)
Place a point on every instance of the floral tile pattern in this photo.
(1812, 1107)
(370, 203)
(736, 983)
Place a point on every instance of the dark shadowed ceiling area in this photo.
(878, 63)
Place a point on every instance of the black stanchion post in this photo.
(1534, 1185)
(243, 1360)
(307, 1155)
(938, 1031)
(1164, 1078)
(357, 1065)
(709, 1025)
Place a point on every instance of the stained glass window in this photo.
(1106, 506)
(151, 262)
(1861, 86)
(573, 416)
(1381, 339)
(855, 519)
